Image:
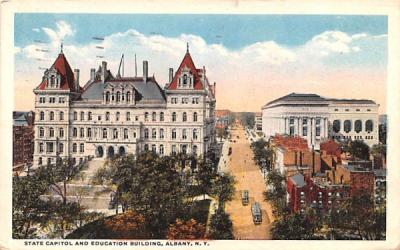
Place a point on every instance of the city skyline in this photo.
(322, 55)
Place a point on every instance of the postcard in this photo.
(188, 125)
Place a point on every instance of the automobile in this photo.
(256, 213)
(245, 197)
(234, 141)
(230, 151)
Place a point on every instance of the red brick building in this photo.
(23, 138)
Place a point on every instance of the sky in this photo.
(252, 58)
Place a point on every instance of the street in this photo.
(248, 177)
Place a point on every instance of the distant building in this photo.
(292, 156)
(380, 187)
(304, 192)
(317, 118)
(223, 118)
(258, 122)
(23, 138)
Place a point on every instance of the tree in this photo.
(128, 225)
(28, 209)
(204, 176)
(152, 186)
(221, 133)
(358, 149)
(190, 230)
(56, 177)
(294, 227)
(276, 193)
(223, 188)
(221, 226)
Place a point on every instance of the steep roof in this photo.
(298, 180)
(188, 63)
(148, 91)
(67, 76)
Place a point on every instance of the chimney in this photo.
(103, 71)
(76, 76)
(215, 89)
(92, 74)
(171, 74)
(145, 70)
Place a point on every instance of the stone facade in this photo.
(316, 118)
(121, 115)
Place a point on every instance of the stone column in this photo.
(326, 127)
(312, 131)
(286, 124)
(309, 130)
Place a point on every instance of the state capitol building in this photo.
(112, 115)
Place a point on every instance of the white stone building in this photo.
(317, 118)
(119, 115)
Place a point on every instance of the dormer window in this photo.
(52, 81)
(185, 80)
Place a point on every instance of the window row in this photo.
(347, 126)
(184, 135)
(50, 147)
(356, 137)
(118, 97)
(185, 100)
(174, 149)
(52, 99)
(348, 110)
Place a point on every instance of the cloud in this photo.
(36, 29)
(256, 72)
(63, 30)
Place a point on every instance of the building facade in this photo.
(23, 137)
(317, 118)
(112, 115)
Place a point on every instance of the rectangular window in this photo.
(336, 109)
(291, 130)
(154, 133)
(357, 109)
(291, 121)
(82, 148)
(82, 132)
(347, 109)
(136, 118)
(61, 132)
(304, 131)
(153, 148)
(128, 116)
(41, 147)
(304, 121)
(317, 131)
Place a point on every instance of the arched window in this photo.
(173, 133)
(82, 132)
(82, 116)
(118, 96)
(161, 133)
(125, 133)
(75, 115)
(41, 115)
(146, 116)
(74, 148)
(195, 116)
(174, 116)
(74, 132)
(61, 148)
(41, 132)
(51, 132)
(81, 147)
(52, 81)
(358, 126)
(161, 116)
(61, 132)
(184, 134)
(115, 133)
(107, 97)
(336, 126)
(369, 126)
(161, 149)
(107, 116)
(154, 133)
(104, 133)
(347, 126)
(61, 116)
(184, 80)
(128, 96)
(89, 116)
(195, 136)
(184, 117)
(51, 115)
(128, 116)
(153, 116)
(89, 132)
